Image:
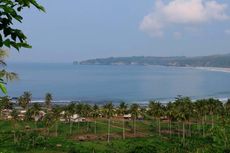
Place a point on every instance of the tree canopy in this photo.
(11, 37)
(9, 12)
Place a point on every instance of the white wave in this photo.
(216, 69)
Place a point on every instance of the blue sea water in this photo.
(96, 83)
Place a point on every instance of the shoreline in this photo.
(214, 69)
(142, 103)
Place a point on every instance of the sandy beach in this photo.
(216, 69)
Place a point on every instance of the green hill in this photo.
(181, 61)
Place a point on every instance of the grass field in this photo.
(35, 139)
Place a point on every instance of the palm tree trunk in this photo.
(35, 124)
(87, 124)
(203, 127)
(225, 138)
(178, 129)
(15, 137)
(217, 118)
(56, 129)
(95, 126)
(212, 121)
(108, 130)
(134, 126)
(48, 131)
(1, 114)
(168, 125)
(159, 126)
(123, 128)
(70, 127)
(170, 128)
(78, 126)
(197, 126)
(14, 127)
(33, 141)
(189, 127)
(183, 131)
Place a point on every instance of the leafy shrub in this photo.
(5, 151)
(28, 140)
(40, 141)
(144, 149)
(226, 150)
(73, 150)
(153, 127)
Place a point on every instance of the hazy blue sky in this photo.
(82, 29)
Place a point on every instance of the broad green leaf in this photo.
(3, 88)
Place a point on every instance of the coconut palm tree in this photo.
(182, 105)
(227, 107)
(201, 111)
(190, 113)
(28, 97)
(69, 112)
(5, 75)
(80, 111)
(216, 109)
(35, 109)
(171, 113)
(87, 111)
(5, 103)
(95, 114)
(156, 110)
(25, 99)
(135, 111)
(48, 100)
(9, 76)
(21, 101)
(56, 114)
(122, 111)
(109, 111)
(225, 111)
(14, 115)
(48, 120)
(220, 110)
(212, 108)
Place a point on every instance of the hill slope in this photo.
(181, 61)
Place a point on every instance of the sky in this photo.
(83, 29)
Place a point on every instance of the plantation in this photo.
(179, 126)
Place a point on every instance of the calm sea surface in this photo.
(69, 82)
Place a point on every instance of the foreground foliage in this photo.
(10, 12)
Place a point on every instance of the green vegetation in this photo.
(9, 13)
(9, 35)
(202, 61)
(5, 75)
(180, 126)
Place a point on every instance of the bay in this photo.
(131, 83)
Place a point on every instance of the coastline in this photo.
(215, 69)
(116, 103)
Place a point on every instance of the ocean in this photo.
(129, 83)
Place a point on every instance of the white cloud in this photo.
(185, 12)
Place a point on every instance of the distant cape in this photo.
(179, 61)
